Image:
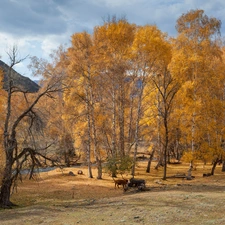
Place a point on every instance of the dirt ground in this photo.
(56, 198)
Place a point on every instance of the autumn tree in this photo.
(82, 72)
(196, 51)
(167, 87)
(61, 131)
(113, 42)
(150, 50)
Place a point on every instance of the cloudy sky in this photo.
(39, 26)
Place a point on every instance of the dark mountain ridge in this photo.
(22, 82)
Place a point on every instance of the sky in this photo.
(37, 27)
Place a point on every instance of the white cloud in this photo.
(38, 27)
(49, 44)
(117, 3)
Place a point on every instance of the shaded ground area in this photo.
(57, 198)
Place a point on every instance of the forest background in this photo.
(113, 91)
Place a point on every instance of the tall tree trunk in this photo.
(161, 159)
(166, 145)
(96, 151)
(92, 112)
(167, 89)
(159, 145)
(89, 163)
(192, 139)
(129, 146)
(114, 144)
(89, 159)
(223, 166)
(99, 166)
(9, 147)
(137, 128)
(121, 123)
(214, 166)
(150, 161)
(121, 110)
(193, 120)
(7, 182)
(114, 150)
(88, 144)
(176, 150)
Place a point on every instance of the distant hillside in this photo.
(37, 81)
(22, 82)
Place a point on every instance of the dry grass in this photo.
(57, 198)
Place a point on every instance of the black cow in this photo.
(136, 182)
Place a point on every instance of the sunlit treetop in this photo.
(195, 24)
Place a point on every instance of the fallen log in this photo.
(180, 176)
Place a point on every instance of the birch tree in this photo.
(149, 49)
(195, 48)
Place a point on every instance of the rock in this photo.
(71, 173)
(80, 172)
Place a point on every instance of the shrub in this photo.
(118, 165)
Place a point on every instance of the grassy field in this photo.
(56, 198)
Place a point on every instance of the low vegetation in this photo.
(55, 197)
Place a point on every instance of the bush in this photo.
(118, 165)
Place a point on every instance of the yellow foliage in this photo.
(98, 64)
(188, 156)
(116, 35)
(152, 45)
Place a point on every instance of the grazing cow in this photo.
(122, 182)
(136, 183)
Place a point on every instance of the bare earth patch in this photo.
(59, 199)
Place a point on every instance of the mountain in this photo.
(22, 82)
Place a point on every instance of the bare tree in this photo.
(14, 156)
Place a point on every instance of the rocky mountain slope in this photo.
(22, 82)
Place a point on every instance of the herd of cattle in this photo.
(138, 183)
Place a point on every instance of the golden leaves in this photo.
(195, 25)
(151, 45)
(118, 54)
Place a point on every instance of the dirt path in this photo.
(163, 207)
